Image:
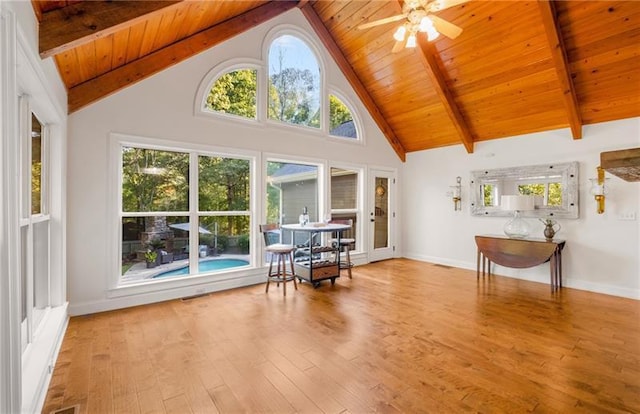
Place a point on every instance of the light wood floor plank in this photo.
(400, 337)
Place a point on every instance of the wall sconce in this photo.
(598, 189)
(457, 194)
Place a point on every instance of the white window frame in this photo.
(34, 316)
(261, 65)
(283, 30)
(359, 209)
(116, 141)
(222, 69)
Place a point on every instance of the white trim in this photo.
(360, 135)
(116, 141)
(569, 282)
(294, 31)
(10, 329)
(212, 76)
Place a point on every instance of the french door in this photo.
(381, 214)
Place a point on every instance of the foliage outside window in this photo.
(294, 83)
(156, 214)
(223, 204)
(340, 119)
(36, 165)
(234, 93)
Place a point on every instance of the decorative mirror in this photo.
(554, 186)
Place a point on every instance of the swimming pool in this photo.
(205, 266)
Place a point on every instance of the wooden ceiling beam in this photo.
(76, 24)
(428, 56)
(559, 55)
(111, 82)
(357, 85)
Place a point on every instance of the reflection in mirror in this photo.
(554, 186)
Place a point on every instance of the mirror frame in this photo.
(570, 190)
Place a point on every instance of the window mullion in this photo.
(194, 220)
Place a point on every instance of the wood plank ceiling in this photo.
(518, 66)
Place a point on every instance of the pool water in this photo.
(205, 266)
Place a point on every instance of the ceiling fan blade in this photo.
(399, 45)
(444, 4)
(382, 21)
(448, 29)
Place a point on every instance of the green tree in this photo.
(224, 185)
(234, 93)
(338, 112)
(292, 93)
(154, 180)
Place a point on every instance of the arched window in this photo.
(234, 93)
(341, 122)
(294, 82)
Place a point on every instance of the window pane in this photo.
(223, 243)
(234, 93)
(223, 184)
(340, 119)
(290, 188)
(344, 189)
(154, 180)
(294, 82)
(152, 245)
(36, 165)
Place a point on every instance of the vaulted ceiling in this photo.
(518, 66)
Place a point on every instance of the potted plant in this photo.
(151, 257)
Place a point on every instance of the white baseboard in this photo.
(572, 282)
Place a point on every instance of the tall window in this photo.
(344, 198)
(291, 187)
(294, 82)
(234, 93)
(163, 234)
(35, 283)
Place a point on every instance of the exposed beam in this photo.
(111, 82)
(559, 55)
(352, 77)
(428, 56)
(79, 23)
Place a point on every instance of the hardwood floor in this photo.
(401, 337)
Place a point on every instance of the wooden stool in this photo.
(345, 245)
(278, 252)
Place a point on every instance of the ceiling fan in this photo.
(419, 17)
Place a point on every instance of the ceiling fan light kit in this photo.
(419, 19)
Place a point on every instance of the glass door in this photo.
(381, 215)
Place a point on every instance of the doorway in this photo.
(381, 214)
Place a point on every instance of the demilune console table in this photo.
(318, 262)
(520, 253)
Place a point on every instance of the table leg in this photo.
(553, 271)
(559, 267)
(478, 265)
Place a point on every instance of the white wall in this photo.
(162, 107)
(602, 251)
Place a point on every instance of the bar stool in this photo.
(280, 252)
(345, 245)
